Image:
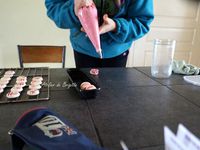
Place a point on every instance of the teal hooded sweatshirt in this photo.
(132, 17)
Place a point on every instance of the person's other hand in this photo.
(80, 3)
(108, 25)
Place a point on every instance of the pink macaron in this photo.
(94, 71)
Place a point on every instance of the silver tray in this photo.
(29, 73)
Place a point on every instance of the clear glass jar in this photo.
(162, 58)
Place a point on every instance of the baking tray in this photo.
(29, 73)
(76, 77)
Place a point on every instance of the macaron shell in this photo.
(36, 82)
(12, 94)
(21, 80)
(10, 72)
(37, 79)
(22, 77)
(91, 87)
(18, 86)
(34, 87)
(1, 90)
(22, 84)
(16, 89)
(2, 85)
(4, 82)
(8, 75)
(5, 79)
(84, 85)
(33, 92)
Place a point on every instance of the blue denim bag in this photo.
(42, 129)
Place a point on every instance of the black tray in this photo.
(77, 76)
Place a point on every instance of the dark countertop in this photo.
(132, 106)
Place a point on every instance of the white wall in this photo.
(1, 58)
(174, 19)
(26, 22)
(196, 46)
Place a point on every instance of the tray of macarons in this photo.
(23, 84)
(86, 86)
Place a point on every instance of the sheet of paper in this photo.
(190, 141)
(171, 141)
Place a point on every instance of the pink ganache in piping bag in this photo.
(89, 20)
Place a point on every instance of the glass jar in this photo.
(162, 58)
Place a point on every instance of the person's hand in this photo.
(80, 3)
(108, 25)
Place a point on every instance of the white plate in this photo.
(193, 79)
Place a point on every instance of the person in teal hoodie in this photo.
(121, 22)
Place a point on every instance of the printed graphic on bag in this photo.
(54, 127)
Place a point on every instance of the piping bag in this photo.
(89, 20)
